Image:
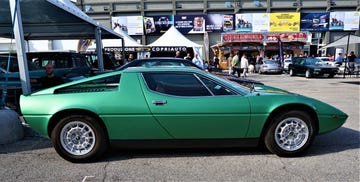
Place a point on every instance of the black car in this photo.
(311, 67)
(110, 63)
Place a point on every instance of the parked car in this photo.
(68, 65)
(326, 60)
(311, 67)
(110, 63)
(287, 61)
(270, 66)
(173, 106)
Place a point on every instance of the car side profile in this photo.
(173, 107)
(311, 67)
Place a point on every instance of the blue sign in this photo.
(314, 21)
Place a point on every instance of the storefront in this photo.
(264, 44)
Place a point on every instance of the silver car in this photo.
(270, 66)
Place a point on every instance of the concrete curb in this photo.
(11, 129)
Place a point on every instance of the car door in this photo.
(188, 109)
(299, 65)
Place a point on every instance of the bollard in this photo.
(11, 129)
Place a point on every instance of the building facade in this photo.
(104, 10)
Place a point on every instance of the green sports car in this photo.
(173, 107)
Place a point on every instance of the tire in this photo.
(331, 75)
(290, 134)
(308, 74)
(73, 132)
(292, 72)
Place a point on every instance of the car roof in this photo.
(161, 69)
(137, 61)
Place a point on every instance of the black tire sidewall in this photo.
(269, 138)
(101, 141)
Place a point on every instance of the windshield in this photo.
(314, 62)
(13, 64)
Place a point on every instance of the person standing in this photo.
(188, 57)
(244, 65)
(351, 59)
(196, 60)
(339, 59)
(178, 54)
(50, 79)
(216, 62)
(235, 64)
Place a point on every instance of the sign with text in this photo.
(261, 22)
(314, 21)
(190, 24)
(131, 25)
(219, 23)
(158, 24)
(243, 37)
(243, 22)
(284, 22)
(287, 37)
(351, 21)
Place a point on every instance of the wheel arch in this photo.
(57, 116)
(290, 107)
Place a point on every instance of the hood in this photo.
(264, 89)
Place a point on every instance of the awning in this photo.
(51, 20)
(343, 41)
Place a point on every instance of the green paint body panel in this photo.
(128, 112)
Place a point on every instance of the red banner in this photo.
(287, 37)
(248, 37)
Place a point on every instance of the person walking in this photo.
(244, 65)
(235, 64)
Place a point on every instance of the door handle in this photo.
(159, 102)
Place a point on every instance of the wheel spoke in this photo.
(77, 138)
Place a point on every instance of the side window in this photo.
(215, 88)
(63, 61)
(180, 84)
(99, 85)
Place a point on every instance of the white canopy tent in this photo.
(344, 41)
(173, 38)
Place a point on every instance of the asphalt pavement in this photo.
(333, 156)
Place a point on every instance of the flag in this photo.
(281, 54)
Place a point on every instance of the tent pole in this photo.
(347, 54)
(20, 46)
(99, 49)
(123, 51)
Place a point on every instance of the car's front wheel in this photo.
(308, 74)
(79, 138)
(290, 133)
(291, 72)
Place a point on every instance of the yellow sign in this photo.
(284, 22)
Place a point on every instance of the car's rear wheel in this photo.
(308, 74)
(291, 72)
(79, 138)
(290, 134)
